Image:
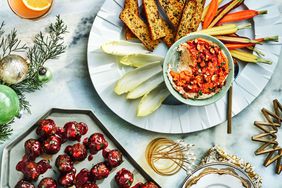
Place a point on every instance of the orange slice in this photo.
(37, 5)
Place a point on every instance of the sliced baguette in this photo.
(169, 34)
(173, 10)
(191, 18)
(156, 25)
(133, 6)
(138, 27)
(128, 35)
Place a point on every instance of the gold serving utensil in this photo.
(229, 102)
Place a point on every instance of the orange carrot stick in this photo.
(241, 15)
(210, 14)
(237, 46)
(233, 46)
(224, 12)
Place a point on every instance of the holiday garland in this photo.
(46, 46)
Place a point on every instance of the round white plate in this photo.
(232, 179)
(105, 71)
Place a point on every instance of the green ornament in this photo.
(44, 74)
(9, 104)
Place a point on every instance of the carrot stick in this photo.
(272, 38)
(210, 14)
(240, 45)
(241, 15)
(225, 11)
(245, 45)
(236, 39)
(206, 10)
(220, 9)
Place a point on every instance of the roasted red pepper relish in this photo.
(209, 69)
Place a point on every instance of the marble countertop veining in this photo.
(71, 88)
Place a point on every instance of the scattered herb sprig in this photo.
(46, 45)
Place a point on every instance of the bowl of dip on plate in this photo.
(198, 69)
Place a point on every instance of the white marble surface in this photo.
(71, 88)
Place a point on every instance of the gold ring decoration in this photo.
(166, 157)
(269, 128)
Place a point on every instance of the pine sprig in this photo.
(10, 43)
(5, 132)
(47, 45)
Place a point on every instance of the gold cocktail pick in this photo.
(166, 157)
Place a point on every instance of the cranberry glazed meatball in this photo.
(77, 152)
(124, 178)
(82, 178)
(32, 170)
(24, 184)
(32, 149)
(52, 145)
(96, 142)
(67, 179)
(46, 127)
(90, 185)
(149, 185)
(99, 171)
(64, 163)
(74, 130)
(47, 183)
(113, 157)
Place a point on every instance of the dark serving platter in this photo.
(14, 151)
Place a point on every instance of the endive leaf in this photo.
(146, 86)
(122, 48)
(153, 100)
(137, 76)
(139, 60)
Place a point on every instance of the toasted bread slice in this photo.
(128, 35)
(190, 18)
(169, 34)
(156, 25)
(173, 10)
(131, 5)
(197, 16)
(139, 28)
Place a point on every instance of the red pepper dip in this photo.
(202, 69)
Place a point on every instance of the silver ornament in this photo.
(13, 69)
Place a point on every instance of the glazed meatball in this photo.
(77, 152)
(74, 130)
(24, 184)
(67, 179)
(47, 183)
(138, 185)
(61, 133)
(113, 157)
(32, 170)
(96, 142)
(124, 178)
(90, 185)
(52, 145)
(64, 163)
(99, 171)
(149, 185)
(46, 128)
(82, 177)
(32, 149)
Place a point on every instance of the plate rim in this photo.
(217, 163)
(247, 99)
